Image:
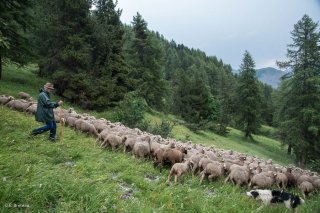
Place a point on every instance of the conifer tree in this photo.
(15, 19)
(147, 64)
(299, 116)
(248, 97)
(110, 70)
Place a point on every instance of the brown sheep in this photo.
(24, 95)
(291, 178)
(141, 148)
(103, 135)
(212, 170)
(239, 176)
(262, 180)
(100, 125)
(306, 188)
(195, 159)
(32, 108)
(71, 120)
(129, 143)
(281, 180)
(303, 178)
(131, 140)
(316, 184)
(179, 169)
(174, 155)
(114, 141)
(204, 162)
(155, 145)
(20, 105)
(86, 127)
(5, 99)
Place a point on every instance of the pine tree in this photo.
(64, 40)
(15, 20)
(248, 97)
(110, 70)
(299, 118)
(147, 64)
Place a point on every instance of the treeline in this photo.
(97, 62)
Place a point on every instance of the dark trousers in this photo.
(51, 125)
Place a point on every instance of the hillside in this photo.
(270, 76)
(77, 176)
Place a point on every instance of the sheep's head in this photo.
(124, 138)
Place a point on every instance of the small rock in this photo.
(69, 164)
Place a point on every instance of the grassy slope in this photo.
(79, 177)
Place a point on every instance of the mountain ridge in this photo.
(268, 75)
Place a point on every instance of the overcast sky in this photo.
(226, 28)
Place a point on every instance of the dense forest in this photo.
(97, 62)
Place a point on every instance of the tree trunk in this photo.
(289, 149)
(302, 159)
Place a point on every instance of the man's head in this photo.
(48, 87)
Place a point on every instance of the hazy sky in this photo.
(226, 28)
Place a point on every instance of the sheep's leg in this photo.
(278, 184)
(193, 170)
(97, 141)
(178, 174)
(169, 176)
(227, 179)
(202, 177)
(285, 186)
(102, 145)
(211, 177)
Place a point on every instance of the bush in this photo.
(314, 165)
(164, 129)
(217, 128)
(131, 110)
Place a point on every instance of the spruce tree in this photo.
(15, 20)
(299, 118)
(64, 44)
(248, 97)
(110, 70)
(147, 64)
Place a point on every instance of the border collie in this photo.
(268, 197)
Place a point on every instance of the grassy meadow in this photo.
(76, 176)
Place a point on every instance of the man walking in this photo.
(44, 112)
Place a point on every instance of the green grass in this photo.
(76, 176)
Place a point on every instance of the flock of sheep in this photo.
(183, 157)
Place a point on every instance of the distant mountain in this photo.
(268, 75)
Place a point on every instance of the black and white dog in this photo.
(268, 197)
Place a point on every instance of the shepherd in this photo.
(44, 113)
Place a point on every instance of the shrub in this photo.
(164, 129)
(131, 110)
